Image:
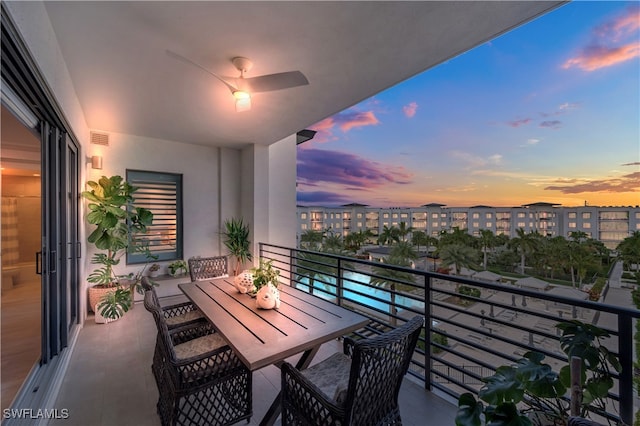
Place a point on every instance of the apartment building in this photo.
(608, 224)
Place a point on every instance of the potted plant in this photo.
(178, 267)
(236, 240)
(265, 274)
(154, 270)
(116, 223)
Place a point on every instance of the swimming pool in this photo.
(362, 292)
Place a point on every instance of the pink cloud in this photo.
(345, 121)
(319, 165)
(518, 123)
(352, 119)
(410, 109)
(614, 42)
(595, 57)
(626, 183)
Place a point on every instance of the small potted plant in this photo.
(178, 267)
(265, 281)
(265, 274)
(154, 270)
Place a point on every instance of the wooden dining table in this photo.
(262, 337)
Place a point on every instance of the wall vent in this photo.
(99, 138)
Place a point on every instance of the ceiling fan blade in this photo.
(269, 82)
(189, 61)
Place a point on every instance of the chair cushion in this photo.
(331, 376)
(183, 318)
(199, 346)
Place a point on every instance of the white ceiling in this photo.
(349, 51)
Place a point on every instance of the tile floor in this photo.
(109, 380)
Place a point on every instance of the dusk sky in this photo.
(549, 112)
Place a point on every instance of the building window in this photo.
(443, 224)
(385, 215)
(434, 215)
(404, 215)
(476, 215)
(488, 216)
(586, 225)
(162, 194)
(476, 224)
(359, 224)
(303, 226)
(586, 215)
(521, 224)
(488, 225)
(573, 215)
(572, 225)
(395, 215)
(303, 215)
(521, 215)
(338, 216)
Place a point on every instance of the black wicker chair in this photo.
(204, 268)
(200, 380)
(178, 315)
(359, 387)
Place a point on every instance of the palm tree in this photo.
(315, 266)
(525, 243)
(419, 238)
(388, 235)
(392, 279)
(456, 235)
(458, 256)
(332, 243)
(487, 241)
(311, 239)
(629, 250)
(404, 230)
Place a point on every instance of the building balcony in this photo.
(496, 328)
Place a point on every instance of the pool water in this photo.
(372, 296)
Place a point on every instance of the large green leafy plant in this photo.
(530, 392)
(236, 240)
(117, 223)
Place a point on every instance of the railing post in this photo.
(291, 266)
(625, 351)
(260, 251)
(428, 367)
(339, 283)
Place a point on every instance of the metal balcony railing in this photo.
(469, 336)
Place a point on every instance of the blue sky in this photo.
(547, 112)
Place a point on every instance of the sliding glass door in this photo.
(54, 250)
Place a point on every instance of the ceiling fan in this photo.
(242, 87)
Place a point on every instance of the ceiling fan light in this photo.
(241, 95)
(243, 104)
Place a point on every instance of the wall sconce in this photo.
(96, 162)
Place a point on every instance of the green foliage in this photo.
(265, 274)
(469, 291)
(236, 240)
(532, 384)
(116, 226)
(115, 303)
(440, 339)
(178, 267)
